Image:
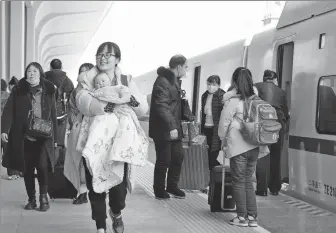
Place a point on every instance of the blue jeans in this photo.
(242, 168)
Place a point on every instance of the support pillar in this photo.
(30, 43)
(4, 42)
(17, 39)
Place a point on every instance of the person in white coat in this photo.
(243, 155)
(107, 58)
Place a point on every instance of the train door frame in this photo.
(282, 42)
(197, 67)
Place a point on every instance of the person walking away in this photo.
(64, 87)
(31, 100)
(165, 128)
(12, 83)
(73, 165)
(275, 96)
(212, 105)
(243, 155)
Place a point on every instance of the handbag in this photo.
(38, 128)
(186, 113)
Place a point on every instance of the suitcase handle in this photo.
(223, 187)
(223, 181)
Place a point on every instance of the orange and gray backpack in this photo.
(260, 125)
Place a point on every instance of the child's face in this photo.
(102, 80)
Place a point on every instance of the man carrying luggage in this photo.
(275, 96)
(64, 88)
(165, 128)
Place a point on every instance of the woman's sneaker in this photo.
(252, 221)
(239, 221)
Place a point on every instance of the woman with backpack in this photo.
(242, 154)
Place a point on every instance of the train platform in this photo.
(145, 214)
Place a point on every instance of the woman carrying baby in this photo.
(107, 58)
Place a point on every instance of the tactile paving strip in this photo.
(193, 212)
(316, 211)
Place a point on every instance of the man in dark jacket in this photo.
(64, 88)
(275, 96)
(165, 127)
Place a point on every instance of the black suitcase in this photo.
(58, 185)
(221, 199)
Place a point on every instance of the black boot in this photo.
(44, 202)
(81, 199)
(117, 223)
(176, 192)
(274, 193)
(261, 193)
(161, 193)
(31, 205)
(159, 185)
(173, 180)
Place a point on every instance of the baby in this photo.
(113, 138)
(104, 90)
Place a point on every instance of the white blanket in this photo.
(102, 139)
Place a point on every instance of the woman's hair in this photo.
(3, 85)
(242, 81)
(88, 66)
(269, 75)
(13, 81)
(37, 66)
(214, 79)
(111, 47)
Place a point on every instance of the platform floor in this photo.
(144, 214)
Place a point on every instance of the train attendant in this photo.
(212, 105)
(243, 155)
(31, 100)
(275, 96)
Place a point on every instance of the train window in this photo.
(326, 105)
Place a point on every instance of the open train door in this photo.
(285, 70)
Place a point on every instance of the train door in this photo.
(285, 57)
(191, 84)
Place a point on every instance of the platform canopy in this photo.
(63, 29)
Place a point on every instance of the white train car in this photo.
(302, 49)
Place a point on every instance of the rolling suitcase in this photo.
(59, 186)
(195, 168)
(220, 196)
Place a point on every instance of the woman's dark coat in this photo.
(217, 106)
(14, 119)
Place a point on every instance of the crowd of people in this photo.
(44, 111)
